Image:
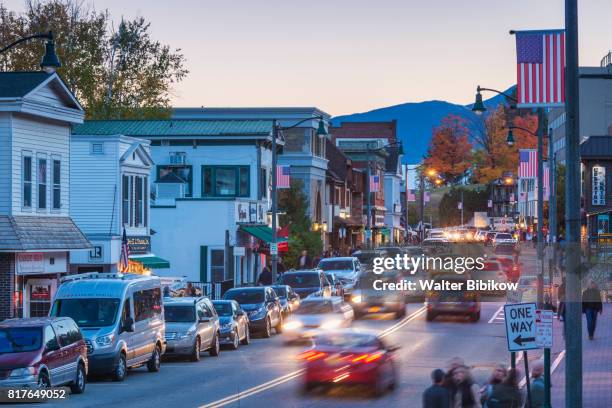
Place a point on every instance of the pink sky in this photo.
(347, 56)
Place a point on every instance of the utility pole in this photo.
(573, 315)
(462, 207)
(274, 202)
(540, 210)
(369, 215)
(422, 206)
(552, 190)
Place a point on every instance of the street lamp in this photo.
(510, 138)
(276, 129)
(50, 62)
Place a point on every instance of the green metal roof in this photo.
(19, 84)
(262, 232)
(174, 127)
(151, 262)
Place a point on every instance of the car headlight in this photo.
(292, 325)
(186, 334)
(23, 372)
(104, 341)
(226, 327)
(356, 298)
(331, 324)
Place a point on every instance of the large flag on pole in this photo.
(411, 196)
(528, 163)
(283, 176)
(546, 182)
(374, 184)
(540, 71)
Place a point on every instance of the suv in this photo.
(262, 306)
(307, 282)
(44, 352)
(346, 269)
(192, 326)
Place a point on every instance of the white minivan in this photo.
(121, 317)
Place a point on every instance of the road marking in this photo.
(553, 367)
(496, 314)
(294, 374)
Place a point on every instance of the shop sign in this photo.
(30, 263)
(139, 244)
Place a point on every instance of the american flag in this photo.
(374, 184)
(540, 71)
(125, 254)
(546, 182)
(426, 197)
(283, 176)
(411, 196)
(528, 163)
(511, 197)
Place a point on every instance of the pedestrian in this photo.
(497, 376)
(280, 266)
(591, 306)
(265, 277)
(304, 262)
(436, 396)
(190, 290)
(561, 299)
(507, 393)
(464, 392)
(537, 384)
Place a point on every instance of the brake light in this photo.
(367, 358)
(312, 355)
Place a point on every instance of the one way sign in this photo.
(521, 326)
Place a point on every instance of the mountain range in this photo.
(415, 121)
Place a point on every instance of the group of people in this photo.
(456, 388)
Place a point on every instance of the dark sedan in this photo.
(289, 300)
(262, 306)
(233, 323)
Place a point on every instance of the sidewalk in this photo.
(596, 366)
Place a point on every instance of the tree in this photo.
(473, 200)
(450, 150)
(115, 74)
(294, 204)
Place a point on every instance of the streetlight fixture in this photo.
(50, 62)
(510, 138)
(276, 129)
(479, 107)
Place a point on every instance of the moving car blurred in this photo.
(366, 256)
(504, 242)
(489, 237)
(432, 246)
(510, 266)
(307, 282)
(492, 271)
(346, 269)
(452, 302)
(367, 299)
(336, 286)
(262, 306)
(233, 323)
(192, 326)
(42, 352)
(351, 357)
(317, 315)
(289, 300)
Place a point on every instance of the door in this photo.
(142, 317)
(38, 295)
(127, 337)
(52, 355)
(205, 329)
(63, 369)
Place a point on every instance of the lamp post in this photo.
(276, 129)
(50, 62)
(430, 173)
(368, 192)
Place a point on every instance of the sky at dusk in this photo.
(347, 56)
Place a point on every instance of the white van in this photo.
(121, 317)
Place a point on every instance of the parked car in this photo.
(289, 300)
(346, 269)
(307, 282)
(234, 323)
(262, 306)
(367, 298)
(42, 352)
(452, 302)
(317, 315)
(120, 316)
(489, 237)
(366, 257)
(351, 357)
(192, 326)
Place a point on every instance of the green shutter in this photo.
(203, 263)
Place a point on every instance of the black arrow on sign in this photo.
(520, 340)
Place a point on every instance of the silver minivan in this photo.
(192, 326)
(121, 317)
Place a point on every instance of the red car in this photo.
(42, 352)
(350, 357)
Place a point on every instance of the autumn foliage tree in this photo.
(450, 151)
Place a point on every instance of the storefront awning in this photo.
(262, 232)
(151, 262)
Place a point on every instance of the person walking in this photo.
(436, 396)
(265, 277)
(304, 261)
(537, 384)
(497, 376)
(507, 393)
(591, 306)
(464, 392)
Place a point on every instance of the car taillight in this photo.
(311, 355)
(367, 358)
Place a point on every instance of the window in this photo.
(97, 148)
(147, 304)
(26, 171)
(42, 183)
(179, 173)
(125, 200)
(263, 183)
(131, 197)
(598, 194)
(145, 201)
(225, 181)
(125, 313)
(217, 265)
(138, 200)
(50, 339)
(57, 187)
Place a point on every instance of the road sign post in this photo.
(521, 326)
(273, 248)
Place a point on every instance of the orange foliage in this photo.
(450, 151)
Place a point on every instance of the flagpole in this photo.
(274, 202)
